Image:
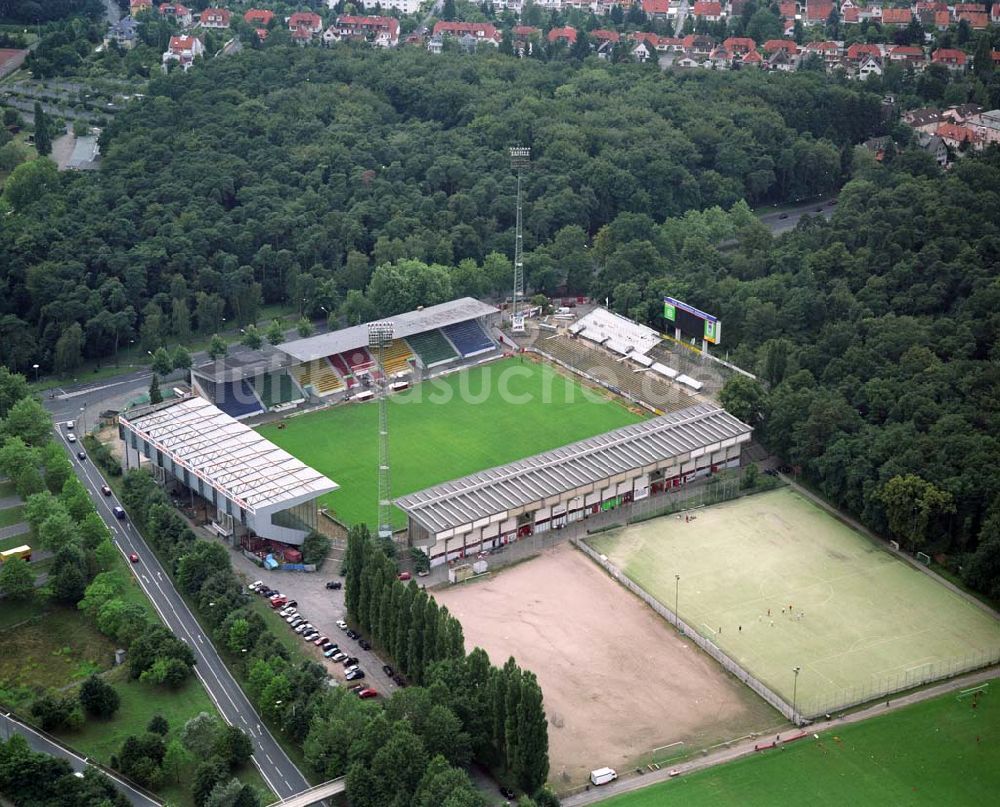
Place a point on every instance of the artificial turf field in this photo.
(446, 428)
(868, 618)
(940, 752)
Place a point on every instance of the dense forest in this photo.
(42, 11)
(288, 175)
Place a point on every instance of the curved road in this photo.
(271, 760)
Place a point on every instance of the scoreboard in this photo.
(691, 321)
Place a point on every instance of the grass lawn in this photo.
(7, 489)
(15, 540)
(446, 428)
(869, 621)
(939, 752)
(11, 516)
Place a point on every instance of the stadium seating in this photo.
(320, 376)
(237, 399)
(468, 338)
(275, 389)
(340, 365)
(397, 358)
(432, 348)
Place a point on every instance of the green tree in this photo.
(43, 132)
(200, 734)
(233, 746)
(162, 362)
(98, 698)
(176, 760)
(158, 725)
(252, 337)
(304, 327)
(16, 579)
(275, 333)
(29, 421)
(30, 184)
(217, 348)
(13, 387)
(744, 398)
(155, 396)
(912, 505)
(181, 359)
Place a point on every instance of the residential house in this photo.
(995, 14)
(643, 52)
(138, 6)
(600, 35)
(961, 113)
(707, 10)
(304, 25)
(818, 11)
(908, 54)
(525, 39)
(435, 44)
(935, 146)
(259, 17)
(898, 17)
(970, 8)
(180, 14)
(924, 120)
(860, 52)
(868, 68)
(978, 20)
(123, 33)
(720, 58)
(789, 10)
(565, 35)
(783, 61)
(689, 60)
(698, 45)
(952, 58)
(656, 9)
(752, 59)
(830, 52)
(382, 32)
(183, 50)
(774, 45)
(215, 18)
(404, 7)
(958, 137)
(481, 31)
(986, 125)
(739, 45)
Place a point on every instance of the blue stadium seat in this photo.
(469, 338)
(237, 399)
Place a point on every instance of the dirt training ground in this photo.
(617, 681)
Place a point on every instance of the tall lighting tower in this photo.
(520, 158)
(380, 335)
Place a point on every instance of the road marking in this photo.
(268, 757)
(244, 719)
(200, 639)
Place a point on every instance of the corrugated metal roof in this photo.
(520, 483)
(408, 324)
(230, 456)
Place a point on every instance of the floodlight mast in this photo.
(380, 335)
(520, 159)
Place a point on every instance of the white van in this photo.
(603, 775)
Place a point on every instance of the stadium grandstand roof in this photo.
(244, 365)
(520, 483)
(230, 456)
(408, 324)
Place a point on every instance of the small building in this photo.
(183, 50)
(483, 32)
(952, 58)
(708, 10)
(178, 13)
(382, 32)
(217, 18)
(897, 17)
(869, 68)
(123, 33)
(304, 25)
(566, 35)
(258, 17)
(934, 146)
(139, 6)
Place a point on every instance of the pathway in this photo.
(768, 741)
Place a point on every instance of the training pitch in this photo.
(939, 752)
(617, 681)
(446, 428)
(852, 615)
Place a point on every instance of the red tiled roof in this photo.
(823, 47)
(480, 30)
(955, 132)
(174, 8)
(907, 50)
(258, 15)
(305, 18)
(896, 16)
(852, 14)
(996, 56)
(567, 33)
(942, 19)
(654, 7)
(181, 43)
(526, 30)
(788, 9)
(977, 19)
(740, 44)
(389, 24)
(602, 35)
(973, 7)
(215, 14)
(787, 45)
(949, 56)
(753, 56)
(707, 8)
(818, 12)
(860, 51)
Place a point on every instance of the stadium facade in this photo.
(495, 507)
(245, 484)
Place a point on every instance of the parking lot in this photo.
(322, 607)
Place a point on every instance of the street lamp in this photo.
(677, 588)
(35, 367)
(795, 695)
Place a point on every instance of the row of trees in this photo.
(382, 158)
(500, 708)
(27, 777)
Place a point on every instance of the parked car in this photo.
(335, 585)
(387, 670)
(783, 216)
(349, 668)
(357, 688)
(364, 644)
(399, 680)
(355, 675)
(309, 635)
(119, 512)
(368, 693)
(303, 628)
(331, 651)
(295, 621)
(350, 661)
(340, 655)
(105, 490)
(341, 624)
(507, 793)
(133, 557)
(69, 425)
(405, 576)
(278, 602)
(290, 619)
(264, 591)
(327, 645)
(321, 640)
(71, 438)
(351, 634)
(255, 585)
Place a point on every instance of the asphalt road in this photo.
(277, 769)
(784, 220)
(9, 726)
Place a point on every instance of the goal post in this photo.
(924, 558)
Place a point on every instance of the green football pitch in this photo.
(940, 752)
(446, 428)
(857, 620)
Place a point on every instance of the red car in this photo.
(367, 693)
(133, 557)
(405, 576)
(319, 641)
(278, 602)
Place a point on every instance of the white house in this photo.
(184, 50)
